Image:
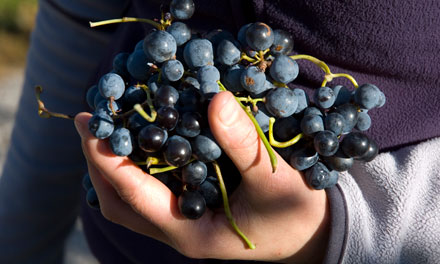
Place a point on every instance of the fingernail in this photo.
(229, 112)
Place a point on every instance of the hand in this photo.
(278, 212)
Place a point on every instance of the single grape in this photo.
(231, 78)
(286, 128)
(282, 44)
(167, 117)
(139, 45)
(194, 173)
(355, 144)
(120, 64)
(281, 102)
(190, 82)
(101, 125)
(154, 84)
(342, 94)
(90, 96)
(92, 199)
(86, 182)
(259, 36)
(167, 95)
(98, 98)
(372, 152)
(210, 190)
(216, 36)
(364, 121)
(311, 110)
(284, 69)
(334, 122)
(120, 142)
(303, 158)
(177, 151)
(339, 161)
(253, 80)
(111, 85)
(209, 89)
(317, 176)
(104, 105)
(208, 73)
(367, 96)
(189, 125)
(332, 180)
(205, 148)
(262, 116)
(191, 204)
(198, 53)
(133, 95)
(172, 70)
(303, 100)
(326, 143)
(160, 46)
(180, 31)
(350, 114)
(228, 53)
(241, 36)
(136, 122)
(311, 124)
(138, 65)
(152, 138)
(182, 9)
(324, 97)
(189, 101)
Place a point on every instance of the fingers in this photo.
(236, 134)
(114, 209)
(147, 196)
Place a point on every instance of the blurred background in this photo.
(16, 24)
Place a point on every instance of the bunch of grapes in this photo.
(152, 107)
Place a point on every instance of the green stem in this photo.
(228, 209)
(278, 144)
(316, 61)
(43, 111)
(160, 170)
(125, 20)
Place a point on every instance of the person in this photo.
(384, 211)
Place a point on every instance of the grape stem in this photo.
(43, 111)
(278, 144)
(159, 26)
(329, 76)
(167, 168)
(272, 156)
(138, 108)
(252, 101)
(151, 161)
(227, 208)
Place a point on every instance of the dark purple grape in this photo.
(209, 89)
(111, 85)
(259, 36)
(241, 36)
(189, 124)
(86, 182)
(182, 9)
(167, 117)
(210, 190)
(231, 78)
(92, 199)
(303, 100)
(367, 96)
(324, 97)
(253, 80)
(120, 64)
(317, 176)
(372, 152)
(191, 204)
(286, 128)
(138, 65)
(350, 114)
(284, 69)
(90, 96)
(282, 44)
(177, 151)
(160, 46)
(154, 84)
(190, 82)
(262, 116)
(355, 144)
(303, 158)
(133, 95)
(189, 101)
(332, 180)
(105, 106)
(180, 31)
(205, 148)
(101, 125)
(208, 73)
(281, 102)
(326, 143)
(152, 138)
(311, 110)
(228, 53)
(311, 124)
(218, 35)
(172, 70)
(364, 121)
(198, 53)
(339, 161)
(136, 122)
(167, 95)
(120, 142)
(194, 173)
(342, 94)
(334, 122)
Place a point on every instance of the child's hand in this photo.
(286, 220)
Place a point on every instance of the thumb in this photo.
(237, 135)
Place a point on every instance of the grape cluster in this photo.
(152, 107)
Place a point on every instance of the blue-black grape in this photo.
(133, 95)
(182, 9)
(259, 36)
(364, 121)
(367, 96)
(198, 53)
(120, 64)
(324, 97)
(355, 144)
(303, 100)
(101, 125)
(311, 124)
(339, 161)
(326, 143)
(189, 124)
(282, 44)
(194, 173)
(281, 102)
(152, 138)
(172, 70)
(317, 176)
(167, 95)
(253, 80)
(121, 142)
(205, 148)
(177, 151)
(191, 204)
(180, 31)
(334, 122)
(350, 114)
(231, 78)
(160, 46)
(92, 199)
(167, 117)
(284, 69)
(303, 158)
(228, 53)
(208, 73)
(90, 96)
(210, 190)
(111, 85)
(138, 65)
